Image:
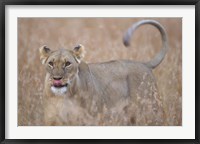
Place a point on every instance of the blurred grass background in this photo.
(102, 38)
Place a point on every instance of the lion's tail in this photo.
(160, 56)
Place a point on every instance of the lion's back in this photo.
(129, 88)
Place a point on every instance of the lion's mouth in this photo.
(59, 84)
(58, 88)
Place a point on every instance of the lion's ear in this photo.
(44, 53)
(79, 52)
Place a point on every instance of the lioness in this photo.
(119, 92)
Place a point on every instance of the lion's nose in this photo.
(57, 77)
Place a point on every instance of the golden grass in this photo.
(102, 38)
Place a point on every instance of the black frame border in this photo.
(3, 4)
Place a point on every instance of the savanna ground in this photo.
(102, 38)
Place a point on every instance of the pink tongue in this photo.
(57, 83)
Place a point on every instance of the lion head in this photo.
(61, 66)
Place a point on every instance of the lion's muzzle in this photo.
(58, 87)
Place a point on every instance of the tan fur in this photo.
(121, 92)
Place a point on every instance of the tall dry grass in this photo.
(102, 38)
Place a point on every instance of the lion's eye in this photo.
(51, 64)
(67, 64)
